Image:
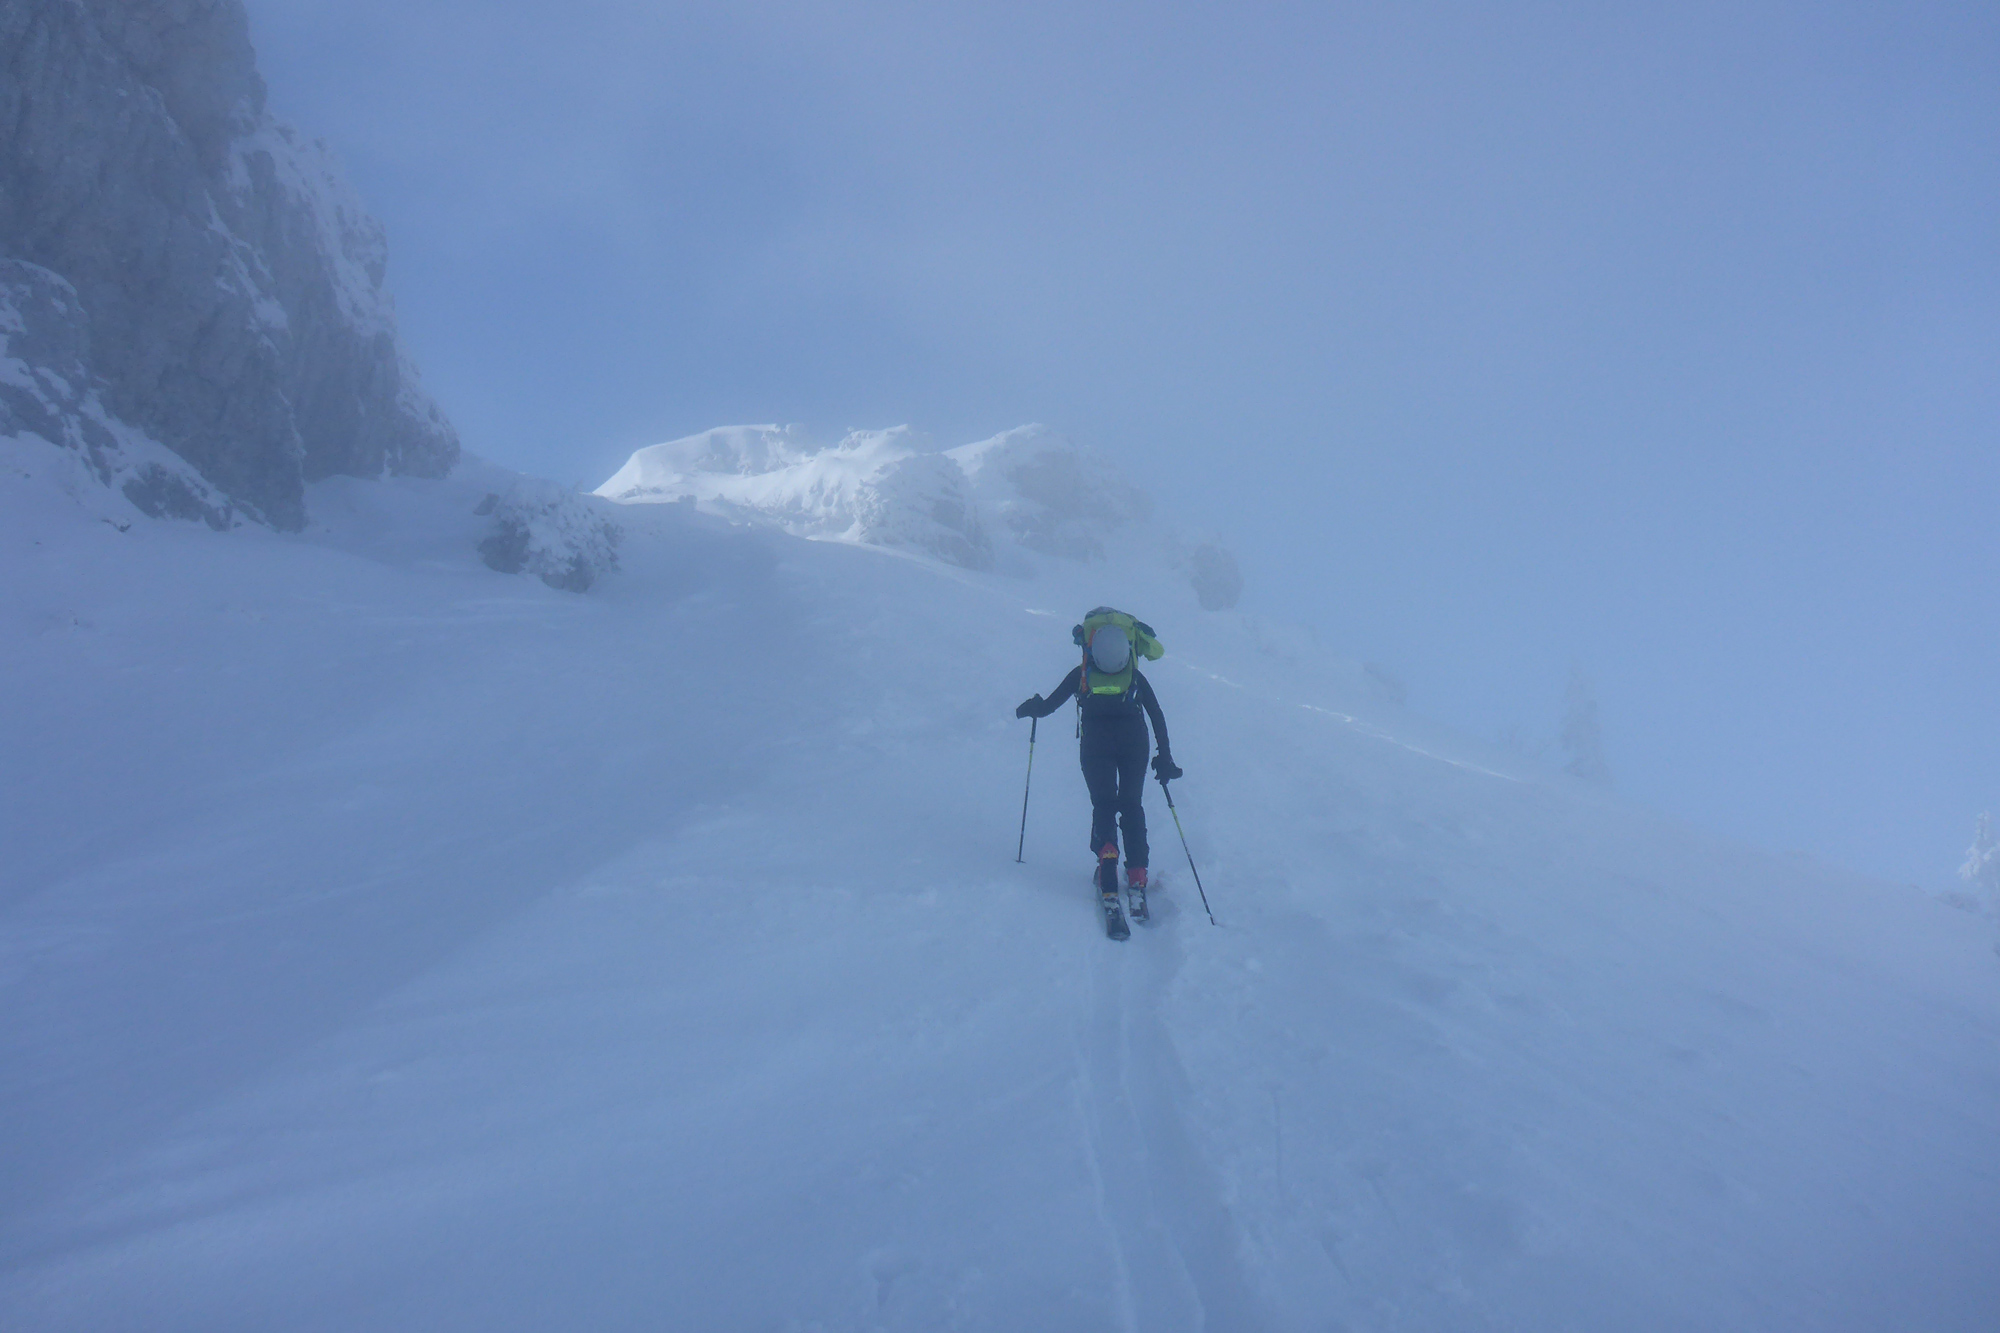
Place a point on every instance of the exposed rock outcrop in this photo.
(227, 288)
(47, 390)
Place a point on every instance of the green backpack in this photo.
(1138, 640)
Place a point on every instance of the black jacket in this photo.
(1110, 709)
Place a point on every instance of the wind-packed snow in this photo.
(386, 943)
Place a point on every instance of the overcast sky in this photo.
(1663, 341)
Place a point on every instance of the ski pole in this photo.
(1190, 855)
(1032, 724)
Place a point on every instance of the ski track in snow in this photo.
(1177, 1246)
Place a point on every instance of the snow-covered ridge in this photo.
(996, 504)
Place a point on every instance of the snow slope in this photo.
(390, 944)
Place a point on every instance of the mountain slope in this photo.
(396, 945)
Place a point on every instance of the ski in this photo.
(1114, 919)
(1106, 883)
(1137, 894)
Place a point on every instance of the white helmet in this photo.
(1110, 650)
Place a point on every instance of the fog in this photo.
(1500, 342)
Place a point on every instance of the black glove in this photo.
(1163, 767)
(1031, 707)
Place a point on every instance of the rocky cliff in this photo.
(177, 267)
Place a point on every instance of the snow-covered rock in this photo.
(226, 287)
(558, 536)
(699, 466)
(1050, 494)
(876, 487)
(994, 504)
(1981, 869)
(1210, 570)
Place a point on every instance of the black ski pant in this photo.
(1114, 768)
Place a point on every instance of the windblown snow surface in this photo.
(390, 944)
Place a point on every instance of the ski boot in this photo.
(1135, 891)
